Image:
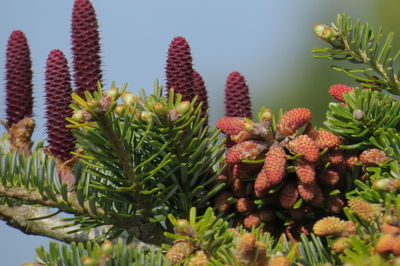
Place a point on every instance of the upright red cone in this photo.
(179, 70)
(58, 98)
(199, 89)
(237, 99)
(85, 47)
(19, 99)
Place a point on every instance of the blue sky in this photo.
(269, 42)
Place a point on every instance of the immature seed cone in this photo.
(305, 171)
(273, 171)
(179, 69)
(303, 144)
(364, 209)
(231, 125)
(58, 98)
(325, 139)
(337, 91)
(293, 120)
(288, 195)
(329, 226)
(85, 47)
(373, 156)
(199, 89)
(237, 99)
(246, 150)
(19, 98)
(180, 250)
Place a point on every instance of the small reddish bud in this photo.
(288, 195)
(246, 150)
(253, 220)
(305, 171)
(329, 177)
(273, 171)
(324, 139)
(303, 144)
(231, 125)
(373, 156)
(337, 91)
(245, 206)
(221, 201)
(293, 120)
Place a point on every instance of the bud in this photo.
(146, 116)
(384, 184)
(87, 261)
(107, 248)
(94, 105)
(129, 98)
(182, 225)
(78, 116)
(160, 109)
(341, 244)
(180, 250)
(358, 114)
(120, 109)
(266, 116)
(324, 32)
(105, 102)
(182, 107)
(113, 93)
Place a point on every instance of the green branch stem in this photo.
(123, 158)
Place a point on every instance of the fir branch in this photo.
(25, 218)
(361, 44)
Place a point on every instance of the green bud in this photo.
(160, 108)
(266, 115)
(182, 107)
(382, 184)
(324, 32)
(120, 109)
(113, 92)
(249, 126)
(107, 248)
(146, 116)
(129, 98)
(183, 227)
(94, 105)
(78, 116)
(87, 261)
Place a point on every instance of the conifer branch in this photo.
(24, 218)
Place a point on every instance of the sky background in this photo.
(269, 42)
